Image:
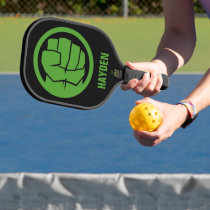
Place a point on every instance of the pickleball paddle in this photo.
(72, 64)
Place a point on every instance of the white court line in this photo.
(187, 73)
(9, 73)
(176, 73)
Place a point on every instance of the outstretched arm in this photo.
(200, 96)
(175, 48)
(175, 115)
(178, 41)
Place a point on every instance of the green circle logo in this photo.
(63, 62)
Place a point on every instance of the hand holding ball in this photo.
(145, 117)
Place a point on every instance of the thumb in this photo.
(130, 65)
(144, 100)
(143, 66)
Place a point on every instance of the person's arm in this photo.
(200, 96)
(175, 48)
(175, 115)
(178, 42)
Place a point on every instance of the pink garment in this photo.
(206, 6)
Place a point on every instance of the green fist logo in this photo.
(63, 63)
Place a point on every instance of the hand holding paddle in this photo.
(151, 83)
(72, 64)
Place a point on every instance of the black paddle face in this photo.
(69, 63)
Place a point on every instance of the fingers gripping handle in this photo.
(132, 74)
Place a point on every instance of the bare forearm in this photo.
(200, 96)
(174, 51)
(178, 41)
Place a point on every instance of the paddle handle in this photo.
(132, 74)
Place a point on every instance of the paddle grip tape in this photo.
(130, 74)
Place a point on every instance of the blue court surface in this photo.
(40, 137)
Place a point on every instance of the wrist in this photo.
(183, 114)
(162, 66)
(192, 112)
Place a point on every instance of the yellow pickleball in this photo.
(145, 117)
